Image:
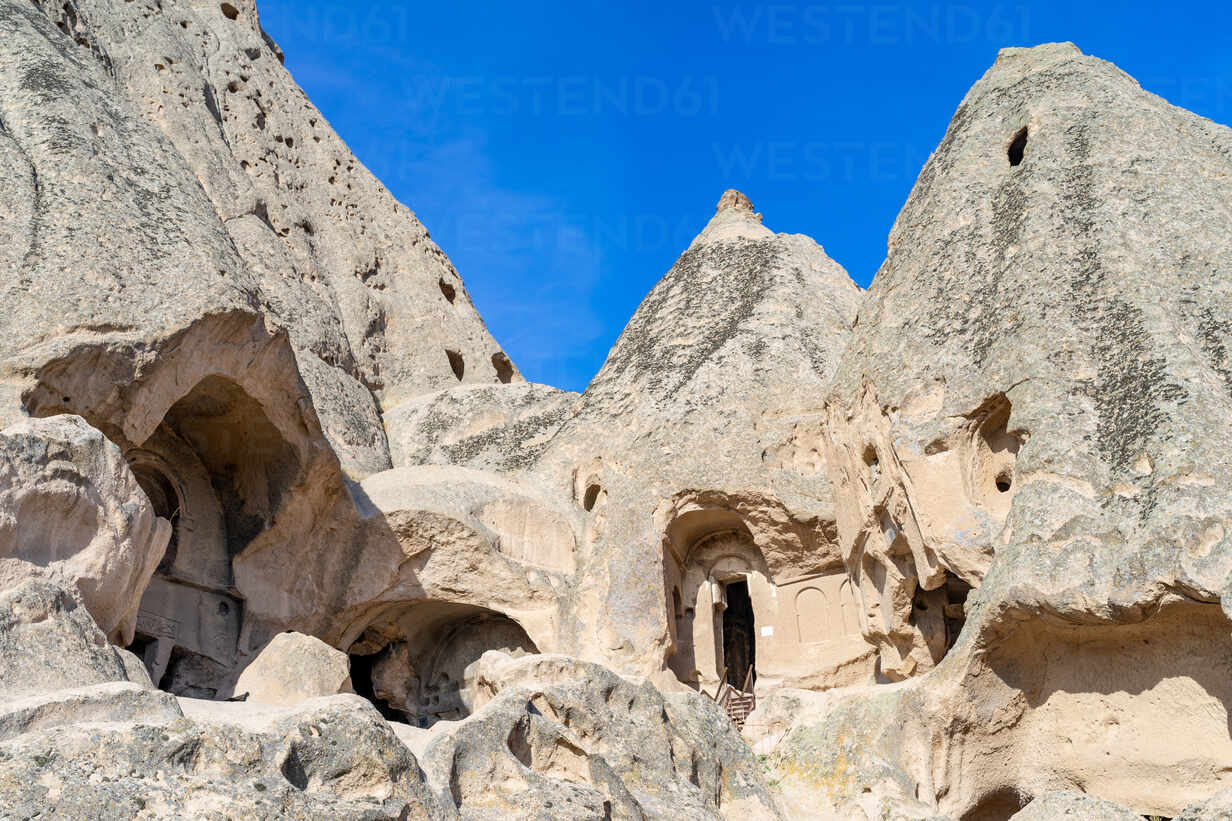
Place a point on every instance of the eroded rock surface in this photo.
(72, 511)
(49, 642)
(695, 455)
(559, 738)
(1024, 437)
(198, 267)
(163, 150)
(294, 668)
(965, 537)
(82, 736)
(329, 758)
(501, 428)
(1063, 804)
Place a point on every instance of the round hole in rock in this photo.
(229, 11)
(448, 290)
(1018, 146)
(995, 452)
(504, 368)
(456, 363)
(592, 496)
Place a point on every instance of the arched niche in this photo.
(217, 468)
(250, 464)
(416, 662)
(813, 616)
(713, 638)
(797, 631)
(215, 418)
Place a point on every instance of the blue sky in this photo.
(564, 154)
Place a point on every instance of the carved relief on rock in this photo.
(919, 527)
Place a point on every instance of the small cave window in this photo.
(996, 453)
(873, 464)
(361, 682)
(1004, 481)
(229, 11)
(504, 368)
(448, 290)
(1018, 146)
(592, 496)
(956, 593)
(456, 363)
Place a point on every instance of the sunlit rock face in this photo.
(1034, 396)
(72, 512)
(704, 425)
(964, 537)
(1028, 441)
(162, 166)
(199, 267)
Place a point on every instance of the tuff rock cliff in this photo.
(284, 534)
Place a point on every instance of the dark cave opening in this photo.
(739, 642)
(1018, 147)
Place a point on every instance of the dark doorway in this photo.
(739, 643)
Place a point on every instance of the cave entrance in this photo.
(217, 468)
(739, 638)
(418, 664)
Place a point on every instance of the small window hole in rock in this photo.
(456, 363)
(504, 368)
(448, 290)
(1018, 147)
(1004, 481)
(994, 475)
(592, 496)
(956, 592)
(873, 464)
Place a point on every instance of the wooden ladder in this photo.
(737, 703)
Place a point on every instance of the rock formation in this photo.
(721, 350)
(960, 543)
(1026, 433)
(72, 511)
(292, 669)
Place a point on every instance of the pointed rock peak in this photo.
(733, 219)
(1044, 52)
(1013, 64)
(734, 199)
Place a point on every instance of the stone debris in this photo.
(285, 534)
(294, 668)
